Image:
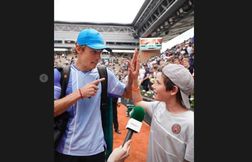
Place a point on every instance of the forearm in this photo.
(137, 97)
(61, 105)
(136, 94)
(127, 92)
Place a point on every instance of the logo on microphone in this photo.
(176, 128)
(134, 125)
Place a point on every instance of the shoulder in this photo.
(189, 117)
(156, 103)
(110, 71)
(111, 74)
(157, 106)
(56, 69)
(57, 74)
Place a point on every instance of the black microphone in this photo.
(135, 122)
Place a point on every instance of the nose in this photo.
(97, 56)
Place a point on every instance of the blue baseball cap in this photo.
(91, 38)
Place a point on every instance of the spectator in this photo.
(115, 119)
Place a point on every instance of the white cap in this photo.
(181, 77)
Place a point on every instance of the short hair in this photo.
(169, 85)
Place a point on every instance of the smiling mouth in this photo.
(154, 93)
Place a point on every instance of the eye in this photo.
(93, 52)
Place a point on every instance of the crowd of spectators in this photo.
(182, 53)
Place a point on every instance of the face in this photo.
(185, 62)
(160, 93)
(176, 61)
(88, 57)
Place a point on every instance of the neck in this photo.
(174, 107)
(81, 67)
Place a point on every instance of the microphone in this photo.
(135, 122)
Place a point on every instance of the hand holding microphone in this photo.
(120, 153)
(135, 122)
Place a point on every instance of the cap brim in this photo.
(97, 46)
(185, 99)
(109, 50)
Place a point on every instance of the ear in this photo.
(78, 48)
(174, 90)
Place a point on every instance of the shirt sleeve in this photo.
(150, 107)
(57, 87)
(115, 87)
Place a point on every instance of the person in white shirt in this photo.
(172, 125)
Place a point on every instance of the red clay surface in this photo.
(139, 144)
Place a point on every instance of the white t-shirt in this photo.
(171, 135)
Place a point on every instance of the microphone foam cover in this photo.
(138, 113)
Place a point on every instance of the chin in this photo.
(92, 66)
(157, 98)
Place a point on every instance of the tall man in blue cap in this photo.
(83, 140)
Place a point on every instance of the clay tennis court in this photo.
(139, 145)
